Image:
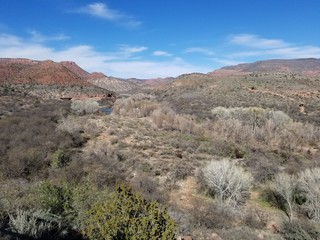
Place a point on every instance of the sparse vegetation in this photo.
(224, 162)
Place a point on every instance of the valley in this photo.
(255, 127)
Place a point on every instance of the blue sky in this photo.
(150, 38)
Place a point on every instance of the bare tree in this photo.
(285, 185)
(309, 184)
(228, 182)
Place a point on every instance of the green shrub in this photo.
(127, 215)
(57, 198)
(59, 158)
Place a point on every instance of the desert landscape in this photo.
(230, 154)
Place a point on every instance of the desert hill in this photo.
(25, 71)
(47, 78)
(305, 66)
(277, 84)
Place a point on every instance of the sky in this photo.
(159, 38)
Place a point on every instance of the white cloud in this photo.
(160, 53)
(102, 10)
(200, 50)
(124, 62)
(296, 52)
(254, 41)
(152, 69)
(129, 50)
(255, 47)
(226, 62)
(10, 40)
(39, 37)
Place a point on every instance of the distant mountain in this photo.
(47, 78)
(306, 66)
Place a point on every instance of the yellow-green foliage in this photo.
(126, 215)
(57, 198)
(59, 158)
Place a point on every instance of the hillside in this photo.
(25, 71)
(307, 66)
(47, 78)
(131, 85)
(114, 84)
(285, 85)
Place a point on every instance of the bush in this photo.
(84, 106)
(309, 186)
(213, 216)
(127, 215)
(34, 224)
(227, 182)
(253, 116)
(59, 158)
(57, 198)
(300, 231)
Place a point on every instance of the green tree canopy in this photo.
(126, 215)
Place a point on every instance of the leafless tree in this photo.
(309, 184)
(285, 185)
(228, 182)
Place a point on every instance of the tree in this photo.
(285, 185)
(309, 185)
(126, 215)
(227, 182)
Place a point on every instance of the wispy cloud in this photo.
(129, 50)
(254, 41)
(200, 50)
(9, 40)
(103, 11)
(226, 62)
(126, 61)
(39, 37)
(255, 46)
(160, 53)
